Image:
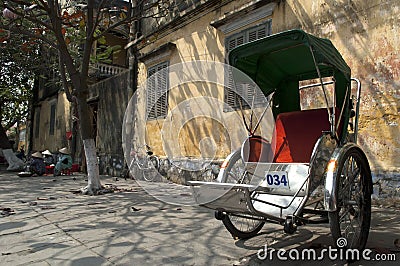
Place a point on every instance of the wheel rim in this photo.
(244, 224)
(351, 200)
(236, 172)
(243, 227)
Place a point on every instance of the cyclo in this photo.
(312, 170)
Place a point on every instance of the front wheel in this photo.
(352, 218)
(241, 227)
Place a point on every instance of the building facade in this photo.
(54, 119)
(364, 32)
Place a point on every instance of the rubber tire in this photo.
(364, 204)
(239, 233)
(227, 219)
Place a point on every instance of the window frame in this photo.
(231, 99)
(156, 93)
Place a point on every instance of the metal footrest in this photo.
(230, 198)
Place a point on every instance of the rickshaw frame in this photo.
(277, 64)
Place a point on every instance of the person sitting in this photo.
(64, 161)
(36, 165)
(21, 154)
(48, 158)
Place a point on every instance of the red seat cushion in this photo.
(296, 134)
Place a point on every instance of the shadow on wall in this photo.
(353, 29)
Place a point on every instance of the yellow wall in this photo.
(200, 135)
(44, 140)
(366, 34)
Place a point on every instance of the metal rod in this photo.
(315, 85)
(331, 118)
(357, 108)
(290, 203)
(262, 115)
(342, 110)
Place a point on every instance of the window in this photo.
(157, 91)
(248, 35)
(52, 118)
(312, 96)
(247, 94)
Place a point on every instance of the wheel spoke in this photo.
(245, 224)
(352, 218)
(241, 227)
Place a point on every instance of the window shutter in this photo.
(252, 35)
(247, 91)
(262, 32)
(157, 91)
(237, 40)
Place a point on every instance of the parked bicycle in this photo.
(144, 164)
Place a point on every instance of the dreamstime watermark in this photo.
(339, 253)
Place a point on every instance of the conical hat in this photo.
(64, 150)
(37, 154)
(46, 152)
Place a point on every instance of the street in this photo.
(43, 222)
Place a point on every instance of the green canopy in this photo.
(278, 62)
(286, 57)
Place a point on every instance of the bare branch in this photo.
(89, 39)
(32, 18)
(98, 15)
(160, 14)
(64, 78)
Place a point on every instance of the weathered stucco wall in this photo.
(44, 140)
(196, 40)
(112, 101)
(366, 34)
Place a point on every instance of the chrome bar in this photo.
(331, 116)
(316, 84)
(358, 99)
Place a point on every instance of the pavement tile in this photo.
(133, 228)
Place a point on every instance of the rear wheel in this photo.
(239, 226)
(352, 218)
(150, 168)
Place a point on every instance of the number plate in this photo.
(276, 179)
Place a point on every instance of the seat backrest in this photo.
(296, 134)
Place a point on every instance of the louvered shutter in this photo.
(157, 91)
(237, 40)
(247, 92)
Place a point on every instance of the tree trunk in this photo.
(85, 125)
(94, 184)
(14, 163)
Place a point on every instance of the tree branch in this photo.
(89, 39)
(64, 78)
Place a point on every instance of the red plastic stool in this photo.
(49, 170)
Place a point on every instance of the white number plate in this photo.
(276, 179)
